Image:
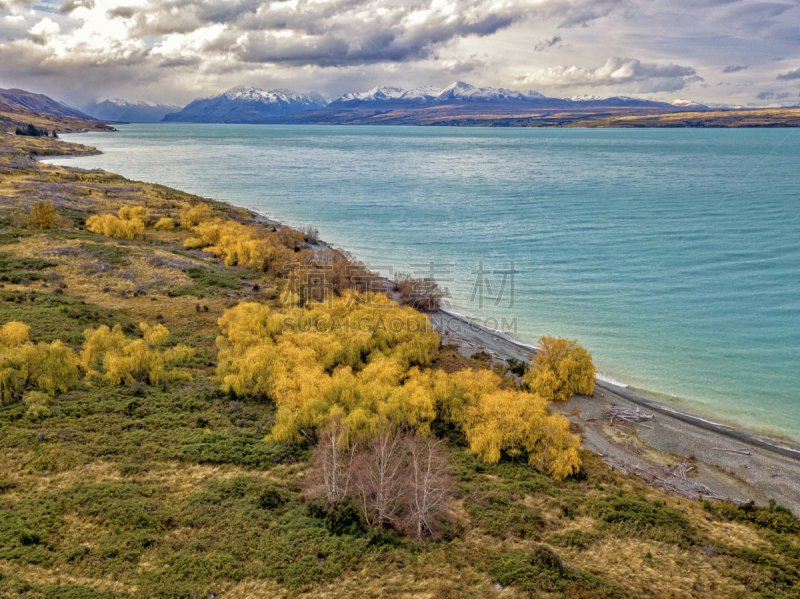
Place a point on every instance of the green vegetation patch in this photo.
(15, 270)
(53, 315)
(542, 571)
(240, 449)
(210, 280)
(632, 515)
(775, 517)
(108, 252)
(765, 576)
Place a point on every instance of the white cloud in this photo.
(638, 76)
(43, 31)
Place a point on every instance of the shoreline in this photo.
(731, 463)
(783, 447)
(679, 435)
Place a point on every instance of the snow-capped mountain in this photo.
(376, 94)
(469, 93)
(456, 92)
(253, 105)
(116, 109)
(587, 101)
(687, 104)
(246, 105)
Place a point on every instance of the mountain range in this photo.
(253, 105)
(459, 104)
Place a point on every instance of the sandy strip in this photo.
(759, 469)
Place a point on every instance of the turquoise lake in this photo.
(672, 255)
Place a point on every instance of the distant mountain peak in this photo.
(130, 111)
(247, 105)
(686, 103)
(458, 91)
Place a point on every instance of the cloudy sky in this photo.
(738, 52)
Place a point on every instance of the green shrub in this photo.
(239, 449)
(776, 517)
(575, 538)
(271, 497)
(632, 515)
(543, 571)
(27, 538)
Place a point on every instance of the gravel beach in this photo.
(679, 452)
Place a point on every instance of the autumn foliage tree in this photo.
(129, 222)
(109, 356)
(560, 369)
(43, 215)
(350, 357)
(49, 367)
(316, 365)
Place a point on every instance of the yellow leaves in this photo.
(14, 333)
(128, 212)
(108, 355)
(560, 369)
(164, 224)
(49, 367)
(43, 216)
(515, 423)
(504, 421)
(111, 226)
(129, 222)
(360, 361)
(154, 335)
(245, 325)
(191, 216)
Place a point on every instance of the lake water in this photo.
(672, 255)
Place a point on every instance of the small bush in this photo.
(575, 538)
(27, 538)
(271, 497)
(43, 216)
(164, 224)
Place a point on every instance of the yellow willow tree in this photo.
(560, 369)
(514, 423)
(49, 367)
(129, 223)
(109, 356)
(350, 355)
(362, 361)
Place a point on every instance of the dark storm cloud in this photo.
(8, 5)
(547, 44)
(346, 32)
(790, 76)
(71, 5)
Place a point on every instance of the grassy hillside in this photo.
(171, 490)
(12, 117)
